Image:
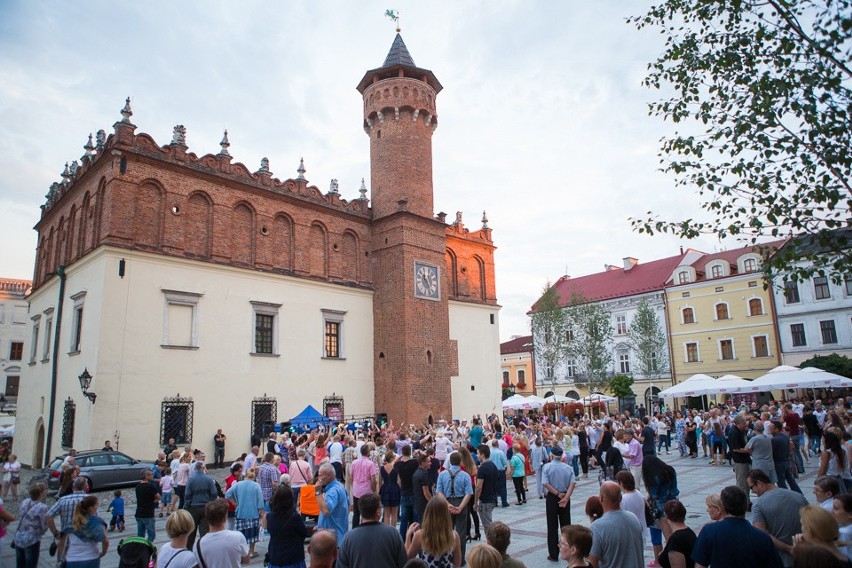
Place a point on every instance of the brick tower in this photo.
(410, 309)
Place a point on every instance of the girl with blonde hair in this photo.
(435, 541)
(484, 556)
(819, 527)
(88, 531)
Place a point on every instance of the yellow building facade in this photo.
(516, 365)
(721, 318)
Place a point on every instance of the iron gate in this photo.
(264, 410)
(176, 420)
(68, 417)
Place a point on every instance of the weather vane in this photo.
(393, 15)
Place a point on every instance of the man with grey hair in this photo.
(323, 548)
(333, 502)
(64, 507)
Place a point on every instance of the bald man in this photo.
(323, 549)
(617, 535)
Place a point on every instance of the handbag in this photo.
(652, 513)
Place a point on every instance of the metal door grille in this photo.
(263, 409)
(68, 417)
(176, 420)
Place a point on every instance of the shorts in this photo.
(166, 498)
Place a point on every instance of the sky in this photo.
(543, 118)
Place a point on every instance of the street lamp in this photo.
(85, 382)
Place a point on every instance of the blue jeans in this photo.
(800, 461)
(27, 556)
(406, 513)
(816, 443)
(575, 463)
(501, 489)
(300, 564)
(143, 525)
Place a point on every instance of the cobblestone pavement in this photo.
(696, 479)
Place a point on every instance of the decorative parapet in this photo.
(457, 228)
(125, 140)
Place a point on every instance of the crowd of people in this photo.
(420, 495)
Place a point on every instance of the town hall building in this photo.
(199, 294)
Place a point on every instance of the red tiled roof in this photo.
(517, 345)
(617, 282)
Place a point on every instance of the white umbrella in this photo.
(559, 399)
(597, 397)
(731, 384)
(787, 377)
(518, 402)
(695, 385)
(533, 399)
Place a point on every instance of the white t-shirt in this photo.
(221, 549)
(183, 558)
(79, 550)
(335, 452)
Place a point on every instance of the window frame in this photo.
(521, 376)
(821, 287)
(754, 352)
(719, 344)
(48, 332)
(268, 309)
(686, 358)
(716, 271)
(20, 351)
(338, 317)
(823, 329)
(716, 311)
(34, 338)
(506, 377)
(181, 298)
(570, 368)
(683, 315)
(624, 363)
(621, 324)
(793, 335)
(749, 265)
(683, 277)
(791, 286)
(759, 301)
(79, 300)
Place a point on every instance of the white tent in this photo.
(518, 402)
(559, 399)
(787, 377)
(597, 397)
(695, 385)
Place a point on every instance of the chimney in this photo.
(630, 262)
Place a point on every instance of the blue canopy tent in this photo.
(309, 419)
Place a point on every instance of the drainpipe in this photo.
(54, 372)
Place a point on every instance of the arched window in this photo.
(722, 311)
(716, 271)
(688, 315)
(755, 307)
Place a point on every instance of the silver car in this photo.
(103, 470)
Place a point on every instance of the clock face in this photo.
(426, 283)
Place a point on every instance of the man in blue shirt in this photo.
(500, 460)
(753, 547)
(333, 503)
(456, 486)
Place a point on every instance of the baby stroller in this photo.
(612, 464)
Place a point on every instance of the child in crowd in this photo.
(167, 483)
(117, 508)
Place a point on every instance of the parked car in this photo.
(103, 470)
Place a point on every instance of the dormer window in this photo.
(749, 265)
(716, 271)
(683, 277)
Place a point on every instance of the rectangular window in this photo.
(12, 386)
(755, 307)
(722, 311)
(829, 334)
(180, 320)
(624, 363)
(791, 292)
(522, 376)
(176, 417)
(749, 265)
(48, 332)
(715, 271)
(333, 335)
(16, 351)
(797, 333)
(821, 289)
(688, 315)
(726, 349)
(569, 335)
(332, 339)
(77, 322)
(263, 327)
(621, 325)
(34, 342)
(505, 377)
(654, 364)
(570, 368)
(761, 346)
(692, 353)
(847, 285)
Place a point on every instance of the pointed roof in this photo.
(398, 54)
(398, 61)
